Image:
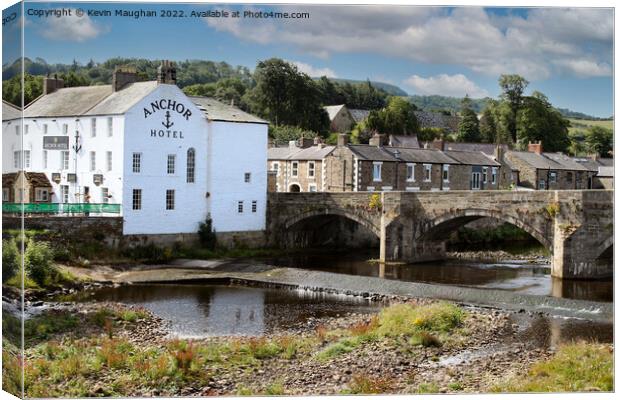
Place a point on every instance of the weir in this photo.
(576, 226)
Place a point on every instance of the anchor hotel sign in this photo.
(168, 107)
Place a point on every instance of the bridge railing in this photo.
(61, 208)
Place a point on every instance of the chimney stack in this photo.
(304, 143)
(343, 140)
(317, 141)
(376, 140)
(535, 147)
(438, 144)
(50, 85)
(167, 73)
(122, 76)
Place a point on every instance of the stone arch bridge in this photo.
(576, 226)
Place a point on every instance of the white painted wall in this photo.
(237, 148)
(190, 198)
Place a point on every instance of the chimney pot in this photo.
(50, 85)
(167, 73)
(535, 147)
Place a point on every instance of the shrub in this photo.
(404, 319)
(362, 384)
(38, 259)
(206, 233)
(10, 259)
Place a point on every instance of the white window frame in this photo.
(41, 194)
(64, 193)
(445, 174)
(109, 160)
(171, 162)
(136, 163)
(493, 175)
(17, 159)
(26, 159)
(485, 174)
(93, 161)
(136, 199)
(542, 185)
(295, 168)
(170, 199)
(275, 166)
(377, 166)
(553, 176)
(428, 172)
(64, 160)
(93, 127)
(110, 127)
(411, 166)
(311, 169)
(105, 193)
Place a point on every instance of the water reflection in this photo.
(515, 276)
(205, 310)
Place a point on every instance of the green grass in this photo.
(584, 124)
(363, 384)
(575, 367)
(427, 388)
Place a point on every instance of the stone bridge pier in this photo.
(576, 226)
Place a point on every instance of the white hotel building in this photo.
(167, 159)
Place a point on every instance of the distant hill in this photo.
(445, 103)
(577, 115)
(389, 88)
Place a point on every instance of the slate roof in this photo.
(122, 100)
(332, 111)
(429, 119)
(9, 111)
(36, 179)
(430, 156)
(296, 153)
(472, 158)
(371, 153)
(410, 142)
(71, 101)
(605, 172)
(548, 161)
(359, 115)
(593, 165)
(486, 148)
(218, 111)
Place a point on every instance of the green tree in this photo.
(33, 88)
(538, 120)
(285, 133)
(513, 87)
(397, 118)
(10, 259)
(600, 140)
(469, 130)
(38, 261)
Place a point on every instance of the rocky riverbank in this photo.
(498, 256)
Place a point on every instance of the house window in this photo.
(494, 175)
(254, 205)
(64, 160)
(541, 184)
(446, 173)
(41, 194)
(65, 129)
(17, 159)
(64, 193)
(410, 172)
(136, 162)
(110, 126)
(294, 168)
(169, 199)
(484, 174)
(26, 129)
(5, 194)
(553, 177)
(275, 166)
(93, 127)
(191, 165)
(45, 159)
(26, 158)
(310, 169)
(17, 130)
(427, 172)
(109, 160)
(240, 207)
(136, 199)
(93, 160)
(105, 195)
(247, 177)
(376, 171)
(569, 177)
(170, 165)
(312, 188)
(45, 129)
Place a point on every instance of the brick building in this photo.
(298, 167)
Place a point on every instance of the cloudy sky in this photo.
(565, 53)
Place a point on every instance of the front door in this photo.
(475, 180)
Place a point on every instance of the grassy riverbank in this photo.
(113, 350)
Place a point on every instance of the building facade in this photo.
(164, 157)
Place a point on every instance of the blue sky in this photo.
(565, 53)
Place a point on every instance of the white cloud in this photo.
(457, 85)
(313, 71)
(543, 43)
(72, 28)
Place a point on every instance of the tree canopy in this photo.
(600, 140)
(469, 130)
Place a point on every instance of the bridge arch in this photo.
(605, 249)
(304, 216)
(439, 227)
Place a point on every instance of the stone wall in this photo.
(340, 170)
(109, 229)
